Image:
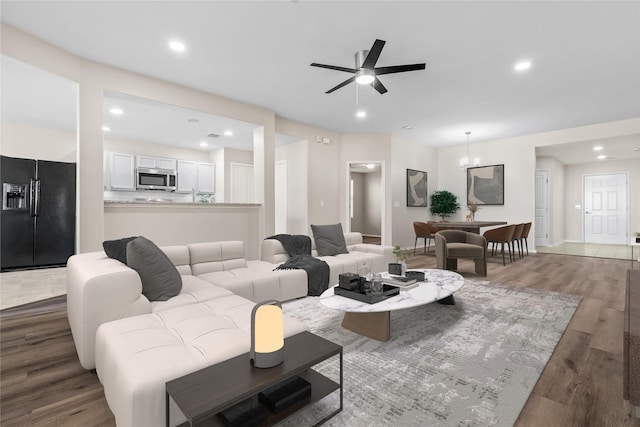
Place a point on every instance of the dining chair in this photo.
(423, 231)
(516, 240)
(501, 235)
(525, 235)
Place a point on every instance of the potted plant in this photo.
(444, 204)
(399, 267)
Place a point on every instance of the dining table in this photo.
(470, 226)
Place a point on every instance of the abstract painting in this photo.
(485, 185)
(416, 188)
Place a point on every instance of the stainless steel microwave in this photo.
(156, 179)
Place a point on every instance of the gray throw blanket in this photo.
(299, 249)
(297, 244)
(317, 272)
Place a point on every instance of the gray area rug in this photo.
(471, 364)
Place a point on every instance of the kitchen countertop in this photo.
(167, 202)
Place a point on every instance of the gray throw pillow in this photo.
(329, 239)
(160, 278)
(117, 249)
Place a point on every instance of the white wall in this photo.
(322, 163)
(574, 193)
(518, 156)
(373, 201)
(31, 142)
(156, 150)
(358, 219)
(296, 156)
(405, 155)
(93, 79)
(366, 148)
(557, 198)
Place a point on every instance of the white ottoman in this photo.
(137, 355)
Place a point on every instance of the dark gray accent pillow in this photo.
(160, 279)
(329, 239)
(117, 249)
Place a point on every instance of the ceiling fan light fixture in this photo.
(365, 77)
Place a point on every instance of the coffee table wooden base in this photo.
(375, 325)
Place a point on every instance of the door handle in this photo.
(36, 210)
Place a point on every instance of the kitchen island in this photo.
(177, 223)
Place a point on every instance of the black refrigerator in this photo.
(38, 216)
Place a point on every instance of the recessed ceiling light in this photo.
(228, 133)
(204, 144)
(116, 111)
(370, 166)
(522, 66)
(407, 127)
(177, 46)
(106, 128)
(361, 114)
(597, 148)
(602, 156)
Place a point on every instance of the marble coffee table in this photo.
(374, 320)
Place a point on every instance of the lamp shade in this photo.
(267, 334)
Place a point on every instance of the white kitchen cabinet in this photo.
(206, 178)
(155, 162)
(187, 176)
(121, 171)
(196, 175)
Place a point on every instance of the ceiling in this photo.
(585, 59)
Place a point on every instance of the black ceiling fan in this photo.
(366, 70)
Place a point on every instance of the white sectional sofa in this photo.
(137, 345)
(101, 289)
(375, 256)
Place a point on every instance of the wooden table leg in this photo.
(373, 325)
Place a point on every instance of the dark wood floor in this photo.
(43, 383)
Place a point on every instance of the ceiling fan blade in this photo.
(377, 84)
(374, 54)
(344, 83)
(334, 67)
(399, 69)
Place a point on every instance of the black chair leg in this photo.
(415, 243)
(503, 262)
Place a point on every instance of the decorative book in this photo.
(400, 282)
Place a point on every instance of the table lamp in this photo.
(267, 334)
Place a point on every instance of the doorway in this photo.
(541, 225)
(366, 194)
(605, 215)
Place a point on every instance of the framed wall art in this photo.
(416, 188)
(485, 185)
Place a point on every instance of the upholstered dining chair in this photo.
(525, 235)
(452, 245)
(517, 239)
(423, 231)
(501, 235)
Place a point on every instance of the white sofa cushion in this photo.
(137, 356)
(258, 282)
(194, 290)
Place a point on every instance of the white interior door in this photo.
(605, 208)
(541, 224)
(281, 202)
(241, 183)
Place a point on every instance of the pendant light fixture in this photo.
(464, 162)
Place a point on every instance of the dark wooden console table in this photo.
(204, 393)
(471, 226)
(631, 349)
